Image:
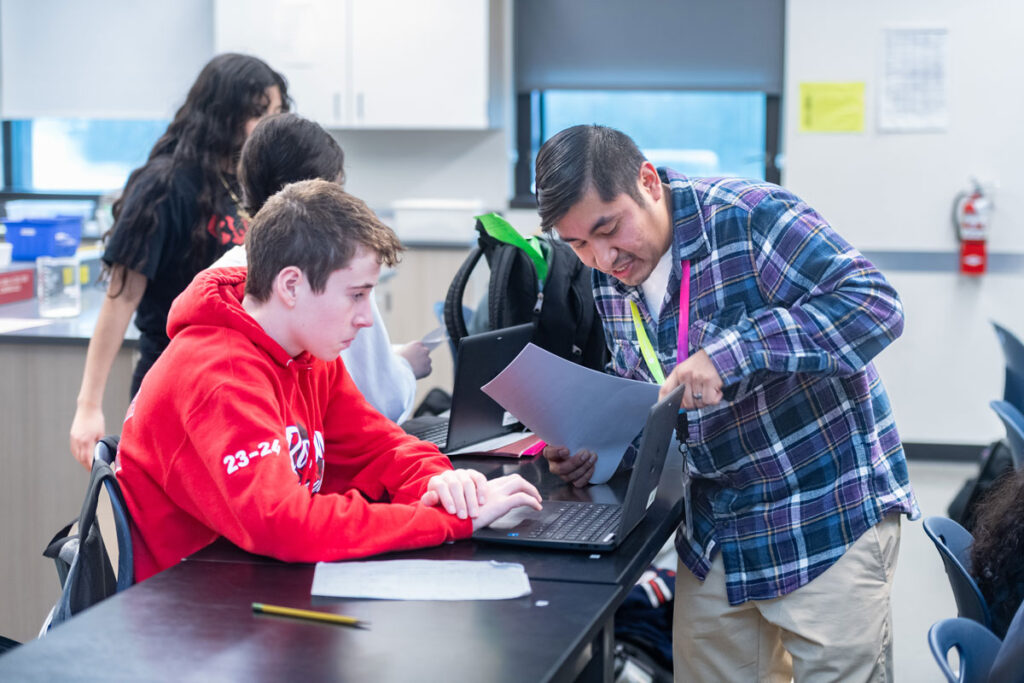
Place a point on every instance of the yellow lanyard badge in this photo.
(683, 344)
(653, 364)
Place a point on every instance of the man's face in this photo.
(327, 323)
(622, 238)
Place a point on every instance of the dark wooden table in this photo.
(194, 622)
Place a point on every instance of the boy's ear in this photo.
(286, 285)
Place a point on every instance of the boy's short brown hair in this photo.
(317, 227)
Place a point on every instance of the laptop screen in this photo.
(480, 357)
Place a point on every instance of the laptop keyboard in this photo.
(578, 522)
(436, 433)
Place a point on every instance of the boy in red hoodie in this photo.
(249, 426)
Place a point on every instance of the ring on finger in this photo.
(698, 396)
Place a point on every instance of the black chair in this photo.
(83, 564)
(954, 545)
(976, 647)
(1013, 421)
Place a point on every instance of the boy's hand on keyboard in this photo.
(505, 494)
(460, 492)
(576, 470)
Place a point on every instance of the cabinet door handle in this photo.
(337, 107)
(359, 106)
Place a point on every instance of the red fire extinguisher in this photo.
(971, 216)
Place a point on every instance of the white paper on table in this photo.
(569, 405)
(421, 580)
(490, 444)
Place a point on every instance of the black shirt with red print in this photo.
(164, 259)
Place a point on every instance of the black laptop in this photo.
(596, 526)
(474, 416)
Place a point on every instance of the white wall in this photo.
(101, 58)
(894, 192)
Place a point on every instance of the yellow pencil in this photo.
(309, 614)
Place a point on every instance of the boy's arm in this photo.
(367, 451)
(239, 480)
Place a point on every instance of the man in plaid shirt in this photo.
(795, 471)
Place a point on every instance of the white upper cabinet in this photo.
(302, 39)
(391, 64)
(420, 63)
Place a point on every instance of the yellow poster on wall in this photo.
(831, 107)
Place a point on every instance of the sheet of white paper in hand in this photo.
(421, 580)
(569, 405)
(433, 338)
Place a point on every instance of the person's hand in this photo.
(86, 429)
(418, 356)
(460, 492)
(576, 470)
(703, 384)
(505, 494)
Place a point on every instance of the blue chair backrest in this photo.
(975, 644)
(1013, 421)
(954, 545)
(1008, 666)
(1013, 352)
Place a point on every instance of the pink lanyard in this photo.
(683, 343)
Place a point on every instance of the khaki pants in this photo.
(836, 628)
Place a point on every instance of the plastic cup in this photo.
(57, 286)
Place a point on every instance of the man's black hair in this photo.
(582, 157)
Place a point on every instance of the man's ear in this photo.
(286, 285)
(650, 181)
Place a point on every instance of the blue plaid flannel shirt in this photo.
(802, 456)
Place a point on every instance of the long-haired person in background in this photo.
(177, 214)
(997, 556)
(287, 148)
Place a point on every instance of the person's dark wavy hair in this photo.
(206, 132)
(997, 556)
(282, 149)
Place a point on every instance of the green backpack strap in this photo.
(501, 230)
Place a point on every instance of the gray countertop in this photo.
(79, 330)
(76, 330)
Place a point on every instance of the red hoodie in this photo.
(230, 436)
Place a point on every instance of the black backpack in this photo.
(996, 461)
(563, 313)
(83, 566)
